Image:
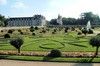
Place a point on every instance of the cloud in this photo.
(19, 5)
(3, 2)
(73, 8)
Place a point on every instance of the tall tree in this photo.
(89, 16)
(53, 22)
(2, 20)
(69, 21)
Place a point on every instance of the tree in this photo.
(69, 21)
(17, 43)
(53, 22)
(2, 20)
(95, 42)
(89, 16)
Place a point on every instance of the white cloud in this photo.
(19, 5)
(73, 8)
(3, 2)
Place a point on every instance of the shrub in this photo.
(93, 27)
(95, 42)
(98, 34)
(79, 33)
(84, 31)
(10, 31)
(17, 43)
(31, 28)
(19, 30)
(66, 30)
(73, 28)
(55, 53)
(36, 28)
(55, 30)
(90, 31)
(43, 31)
(48, 29)
(53, 33)
(21, 33)
(33, 34)
(6, 36)
(1, 30)
(80, 28)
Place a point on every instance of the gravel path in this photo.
(31, 63)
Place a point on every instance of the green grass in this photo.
(40, 58)
(63, 42)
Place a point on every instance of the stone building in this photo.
(36, 20)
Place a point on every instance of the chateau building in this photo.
(36, 20)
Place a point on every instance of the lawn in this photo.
(45, 42)
(50, 59)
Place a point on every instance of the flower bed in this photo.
(37, 53)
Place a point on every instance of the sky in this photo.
(48, 8)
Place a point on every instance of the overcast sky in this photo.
(49, 8)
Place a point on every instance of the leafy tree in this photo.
(69, 21)
(17, 43)
(2, 20)
(95, 42)
(89, 16)
(53, 22)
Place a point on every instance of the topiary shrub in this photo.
(32, 28)
(93, 27)
(33, 34)
(73, 28)
(55, 53)
(1, 30)
(98, 34)
(36, 28)
(10, 31)
(6, 36)
(21, 33)
(17, 43)
(43, 31)
(90, 31)
(84, 31)
(19, 30)
(79, 33)
(80, 28)
(95, 42)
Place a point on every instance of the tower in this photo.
(59, 20)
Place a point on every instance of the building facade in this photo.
(36, 20)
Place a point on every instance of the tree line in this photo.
(84, 18)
